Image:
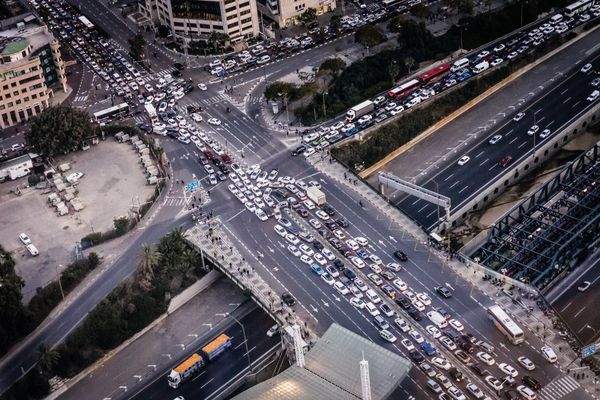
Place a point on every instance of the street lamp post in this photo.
(245, 339)
(59, 281)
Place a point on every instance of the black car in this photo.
(179, 66)
(224, 168)
(466, 346)
(302, 211)
(469, 338)
(288, 299)
(176, 73)
(399, 254)
(455, 374)
(299, 150)
(339, 264)
(348, 273)
(329, 210)
(404, 302)
(478, 370)
(343, 222)
(318, 245)
(417, 357)
(445, 293)
(511, 395)
(415, 314)
(532, 382)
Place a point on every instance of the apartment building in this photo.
(31, 68)
(197, 19)
(286, 12)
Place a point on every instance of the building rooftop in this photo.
(12, 45)
(333, 371)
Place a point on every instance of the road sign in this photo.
(589, 350)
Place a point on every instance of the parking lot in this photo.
(107, 190)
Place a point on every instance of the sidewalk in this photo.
(136, 361)
(536, 321)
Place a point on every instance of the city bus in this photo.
(403, 89)
(390, 3)
(114, 111)
(435, 73)
(578, 7)
(506, 325)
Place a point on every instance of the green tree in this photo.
(137, 45)
(277, 90)
(308, 16)
(409, 62)
(47, 359)
(369, 35)
(148, 260)
(333, 66)
(218, 41)
(395, 24)
(421, 11)
(59, 130)
(121, 225)
(393, 71)
(335, 22)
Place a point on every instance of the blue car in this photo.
(317, 269)
(351, 132)
(428, 349)
(362, 253)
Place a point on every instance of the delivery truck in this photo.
(316, 195)
(194, 364)
(359, 110)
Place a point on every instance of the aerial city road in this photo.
(231, 199)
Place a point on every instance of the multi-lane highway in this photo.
(221, 373)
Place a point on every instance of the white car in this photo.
(320, 259)
(416, 336)
(549, 354)
(251, 207)
(402, 324)
(358, 303)
(309, 204)
(375, 268)
(372, 309)
(441, 362)
(418, 305)
(586, 68)
(364, 119)
(526, 363)
(475, 391)
(341, 288)
(423, 298)
(361, 241)
(545, 133)
(594, 95)
(375, 259)
(486, 358)
(518, 116)
(306, 259)
(456, 325)
(407, 344)
(306, 250)
(197, 117)
(448, 343)
(328, 279)
(322, 215)
(433, 331)
(456, 393)
(328, 254)
(508, 370)
(294, 250)
(387, 336)
(463, 160)
(533, 130)
(355, 291)
(495, 139)
(494, 382)
(400, 284)
(315, 223)
(359, 263)
(352, 244)
(202, 86)
(292, 239)
(24, 239)
(526, 392)
(272, 331)
(361, 285)
(483, 54)
(214, 121)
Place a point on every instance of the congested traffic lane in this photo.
(284, 270)
(551, 111)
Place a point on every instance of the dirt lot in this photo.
(113, 180)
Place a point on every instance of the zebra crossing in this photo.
(175, 201)
(80, 99)
(559, 388)
(207, 101)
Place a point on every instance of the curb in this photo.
(472, 103)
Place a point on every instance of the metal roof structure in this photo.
(333, 371)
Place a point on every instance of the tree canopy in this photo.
(308, 16)
(137, 44)
(59, 130)
(333, 66)
(369, 35)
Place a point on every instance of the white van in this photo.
(482, 66)
(437, 319)
(32, 250)
(460, 64)
(556, 19)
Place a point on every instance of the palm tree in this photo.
(149, 259)
(409, 62)
(47, 359)
(393, 71)
(190, 258)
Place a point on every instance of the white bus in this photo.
(88, 24)
(120, 110)
(578, 7)
(506, 325)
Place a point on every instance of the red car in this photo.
(209, 154)
(226, 159)
(505, 161)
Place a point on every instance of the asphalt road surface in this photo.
(552, 110)
(227, 368)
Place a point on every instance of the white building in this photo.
(286, 12)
